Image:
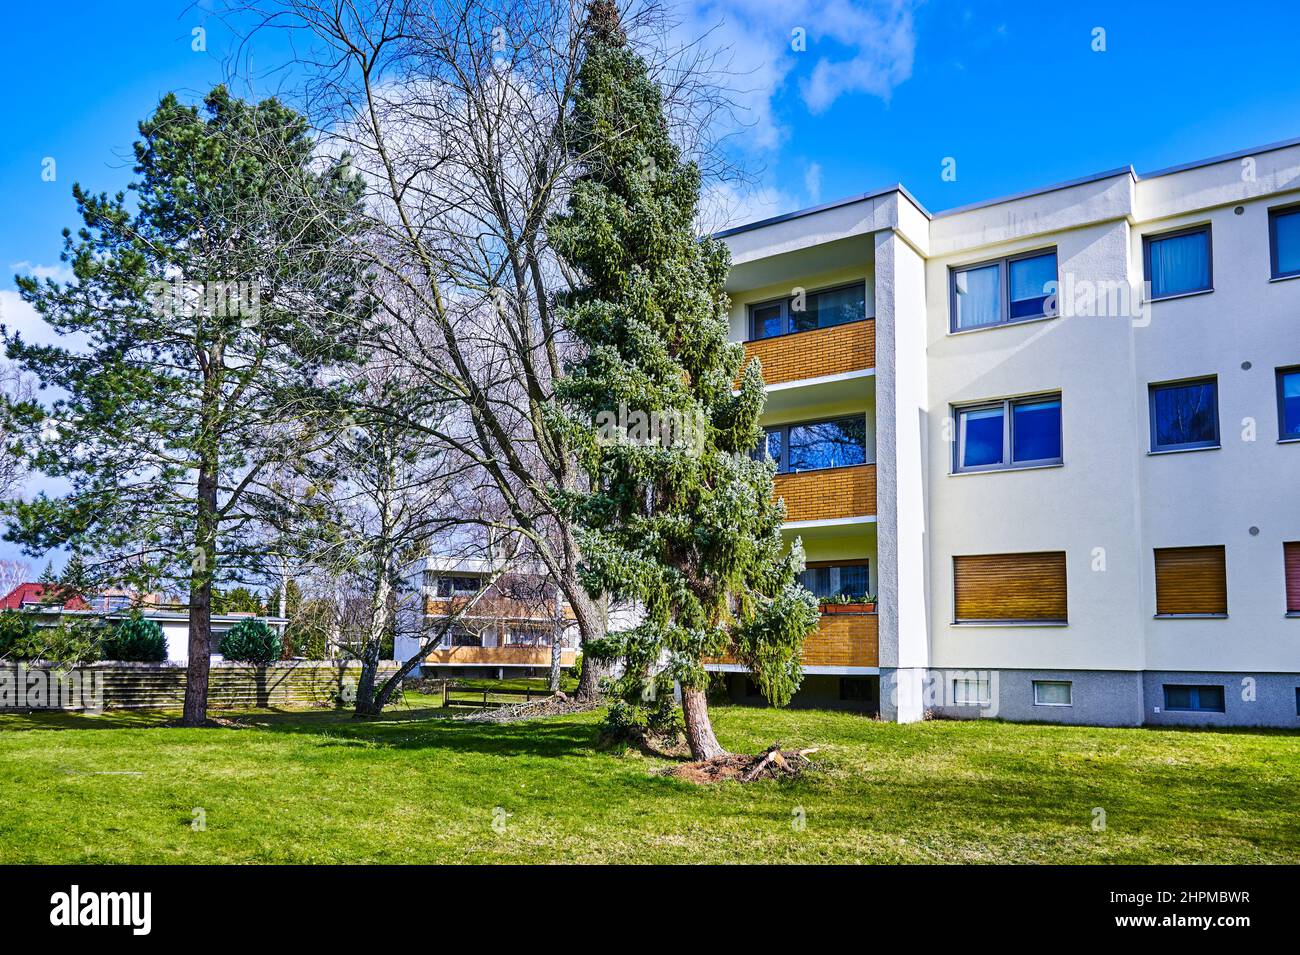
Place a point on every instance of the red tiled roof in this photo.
(32, 594)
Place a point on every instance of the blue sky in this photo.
(884, 92)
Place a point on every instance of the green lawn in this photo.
(316, 787)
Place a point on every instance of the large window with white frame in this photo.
(1008, 433)
(1017, 288)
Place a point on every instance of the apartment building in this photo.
(487, 621)
(1043, 452)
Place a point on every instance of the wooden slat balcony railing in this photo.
(500, 656)
(492, 607)
(829, 494)
(841, 640)
(817, 353)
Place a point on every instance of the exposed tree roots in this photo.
(772, 763)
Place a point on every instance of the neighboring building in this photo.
(115, 605)
(490, 623)
(1057, 433)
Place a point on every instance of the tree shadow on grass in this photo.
(432, 729)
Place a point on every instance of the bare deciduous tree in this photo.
(454, 113)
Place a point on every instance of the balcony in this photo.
(828, 494)
(499, 656)
(842, 641)
(492, 607)
(816, 354)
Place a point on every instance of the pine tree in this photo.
(76, 579)
(680, 517)
(211, 308)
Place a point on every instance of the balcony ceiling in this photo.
(792, 267)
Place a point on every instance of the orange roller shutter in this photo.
(1011, 587)
(1191, 580)
(1291, 558)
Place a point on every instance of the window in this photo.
(837, 580)
(1178, 263)
(1191, 581)
(1018, 432)
(1015, 289)
(1053, 693)
(458, 636)
(456, 586)
(970, 692)
(1185, 415)
(528, 636)
(1203, 699)
(824, 444)
(1291, 566)
(1288, 404)
(809, 310)
(1284, 241)
(1010, 588)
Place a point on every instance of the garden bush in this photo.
(135, 640)
(251, 641)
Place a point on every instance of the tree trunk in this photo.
(200, 646)
(557, 644)
(556, 649)
(591, 626)
(380, 610)
(699, 730)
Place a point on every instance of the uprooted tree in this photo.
(680, 517)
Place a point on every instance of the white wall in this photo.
(1216, 496)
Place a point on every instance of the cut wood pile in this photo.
(557, 705)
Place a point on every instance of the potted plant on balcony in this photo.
(849, 603)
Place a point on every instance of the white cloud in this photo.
(874, 39)
(882, 39)
(60, 273)
(812, 182)
(20, 318)
(723, 205)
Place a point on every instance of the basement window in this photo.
(1053, 693)
(1193, 699)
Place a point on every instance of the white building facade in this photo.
(1055, 436)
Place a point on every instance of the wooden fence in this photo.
(162, 685)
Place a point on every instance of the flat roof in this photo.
(1083, 180)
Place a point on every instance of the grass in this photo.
(315, 787)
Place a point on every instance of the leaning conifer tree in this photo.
(679, 517)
